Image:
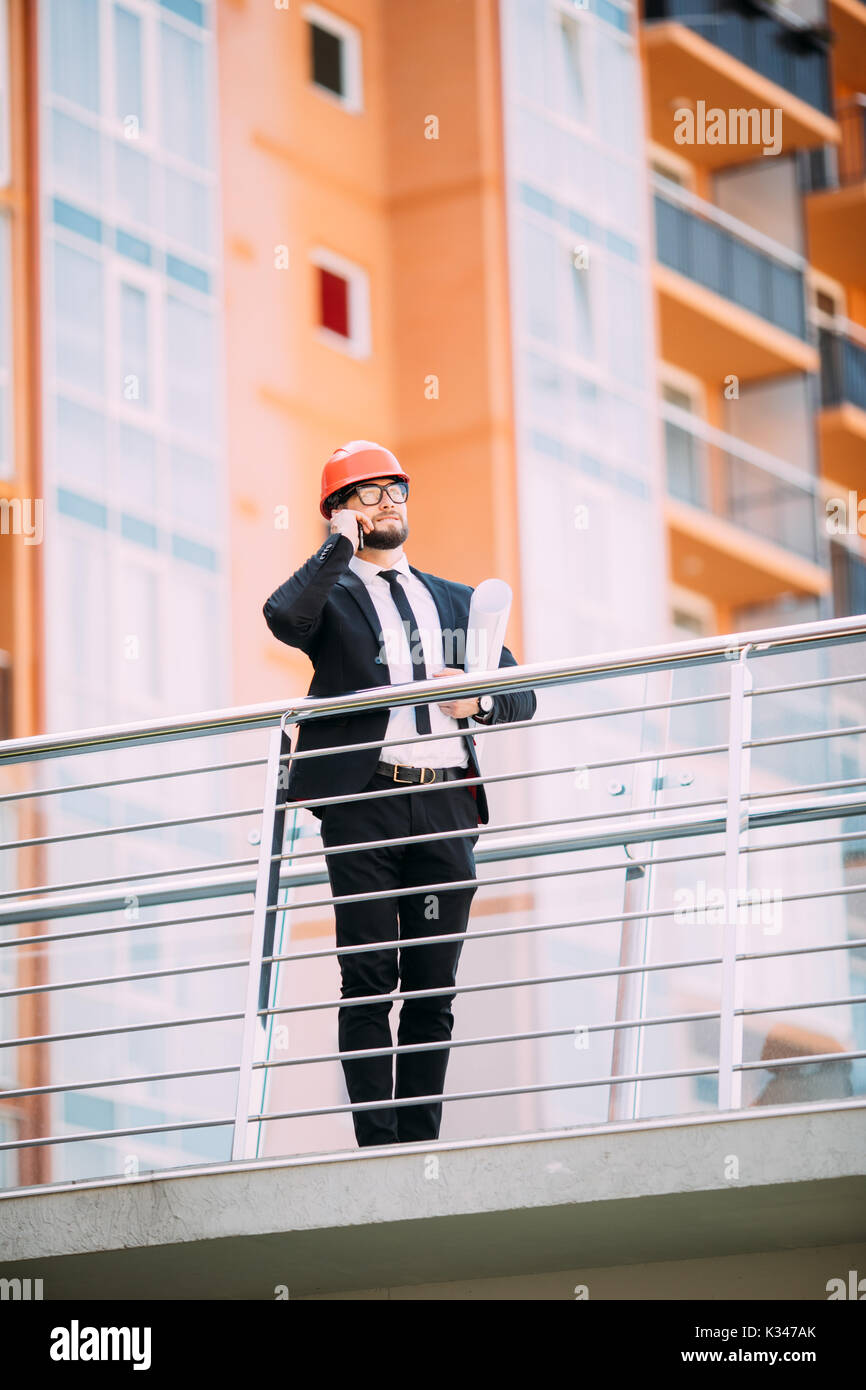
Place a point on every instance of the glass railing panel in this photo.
(725, 263)
(794, 57)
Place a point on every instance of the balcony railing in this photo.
(724, 255)
(832, 166)
(843, 370)
(849, 580)
(171, 999)
(751, 489)
(782, 49)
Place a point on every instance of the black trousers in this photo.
(400, 915)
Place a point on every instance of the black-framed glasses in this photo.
(371, 493)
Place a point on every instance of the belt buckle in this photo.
(399, 779)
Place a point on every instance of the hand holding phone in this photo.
(347, 522)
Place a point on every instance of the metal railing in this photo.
(838, 166)
(779, 45)
(725, 255)
(746, 486)
(843, 370)
(729, 824)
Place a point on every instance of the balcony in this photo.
(5, 696)
(842, 421)
(848, 22)
(743, 525)
(849, 580)
(174, 1110)
(835, 181)
(735, 57)
(730, 301)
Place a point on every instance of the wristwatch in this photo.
(485, 709)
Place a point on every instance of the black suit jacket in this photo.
(324, 609)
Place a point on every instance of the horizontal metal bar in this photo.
(535, 1089)
(510, 726)
(61, 1086)
(219, 886)
(128, 829)
(805, 685)
(536, 1035)
(698, 651)
(97, 1134)
(487, 830)
(172, 973)
(487, 779)
(264, 1117)
(126, 781)
(85, 904)
(610, 972)
(851, 943)
(807, 844)
(451, 885)
(822, 809)
(818, 811)
(472, 934)
(48, 938)
(784, 740)
(127, 878)
(801, 788)
(809, 1004)
(809, 1059)
(119, 1028)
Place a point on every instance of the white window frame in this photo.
(695, 605)
(818, 283)
(119, 272)
(671, 166)
(352, 99)
(678, 380)
(358, 343)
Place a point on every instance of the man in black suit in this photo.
(366, 617)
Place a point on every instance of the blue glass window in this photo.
(74, 50)
(82, 508)
(75, 220)
(185, 549)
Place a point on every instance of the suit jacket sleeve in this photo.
(512, 705)
(294, 610)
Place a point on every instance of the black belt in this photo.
(401, 772)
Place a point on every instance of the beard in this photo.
(389, 537)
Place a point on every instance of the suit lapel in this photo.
(358, 589)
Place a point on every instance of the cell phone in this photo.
(360, 536)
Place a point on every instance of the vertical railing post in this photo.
(262, 935)
(627, 1045)
(736, 876)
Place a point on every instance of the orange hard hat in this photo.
(355, 462)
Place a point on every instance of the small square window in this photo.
(333, 302)
(326, 59)
(342, 303)
(335, 57)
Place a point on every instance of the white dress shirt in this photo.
(446, 752)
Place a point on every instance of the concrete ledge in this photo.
(418, 1216)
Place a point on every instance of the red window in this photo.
(334, 302)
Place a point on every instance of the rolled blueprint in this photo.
(489, 608)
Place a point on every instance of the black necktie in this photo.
(413, 637)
